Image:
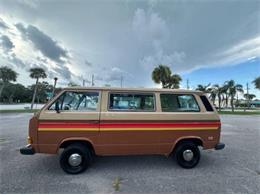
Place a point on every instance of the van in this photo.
(82, 122)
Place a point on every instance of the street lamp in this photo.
(55, 81)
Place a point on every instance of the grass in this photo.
(19, 111)
(240, 112)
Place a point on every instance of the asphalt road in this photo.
(236, 169)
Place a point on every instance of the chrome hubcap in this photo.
(75, 160)
(187, 155)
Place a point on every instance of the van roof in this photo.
(134, 89)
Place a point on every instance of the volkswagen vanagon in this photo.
(82, 122)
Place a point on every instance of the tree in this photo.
(204, 88)
(72, 84)
(225, 93)
(36, 73)
(173, 82)
(218, 90)
(233, 89)
(6, 75)
(249, 96)
(257, 82)
(163, 75)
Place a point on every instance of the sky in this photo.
(203, 41)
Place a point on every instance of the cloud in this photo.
(87, 63)
(44, 43)
(29, 3)
(6, 43)
(13, 59)
(116, 74)
(3, 25)
(173, 60)
(63, 71)
(149, 26)
(139, 35)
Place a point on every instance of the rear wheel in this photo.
(75, 158)
(187, 154)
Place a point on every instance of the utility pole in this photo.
(83, 83)
(188, 87)
(92, 80)
(121, 81)
(247, 97)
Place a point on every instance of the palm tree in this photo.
(225, 94)
(249, 96)
(173, 82)
(233, 89)
(36, 73)
(161, 74)
(257, 83)
(218, 90)
(6, 75)
(204, 88)
(213, 93)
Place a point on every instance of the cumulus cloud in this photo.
(44, 43)
(29, 3)
(149, 26)
(63, 71)
(6, 43)
(3, 25)
(116, 74)
(183, 35)
(16, 61)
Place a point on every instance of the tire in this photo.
(187, 147)
(76, 150)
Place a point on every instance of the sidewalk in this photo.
(19, 106)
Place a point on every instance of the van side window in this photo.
(77, 101)
(178, 103)
(131, 102)
(206, 103)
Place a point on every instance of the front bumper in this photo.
(27, 150)
(219, 146)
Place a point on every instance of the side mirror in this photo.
(57, 106)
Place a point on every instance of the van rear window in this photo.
(131, 102)
(206, 103)
(178, 103)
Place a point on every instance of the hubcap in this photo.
(75, 159)
(187, 155)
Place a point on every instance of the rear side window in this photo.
(178, 103)
(131, 102)
(206, 103)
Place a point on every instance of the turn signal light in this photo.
(29, 140)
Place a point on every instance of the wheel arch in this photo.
(194, 139)
(66, 142)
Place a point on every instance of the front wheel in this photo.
(187, 155)
(75, 158)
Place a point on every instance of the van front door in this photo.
(74, 115)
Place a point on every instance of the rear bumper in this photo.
(27, 150)
(220, 146)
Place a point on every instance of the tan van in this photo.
(83, 122)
